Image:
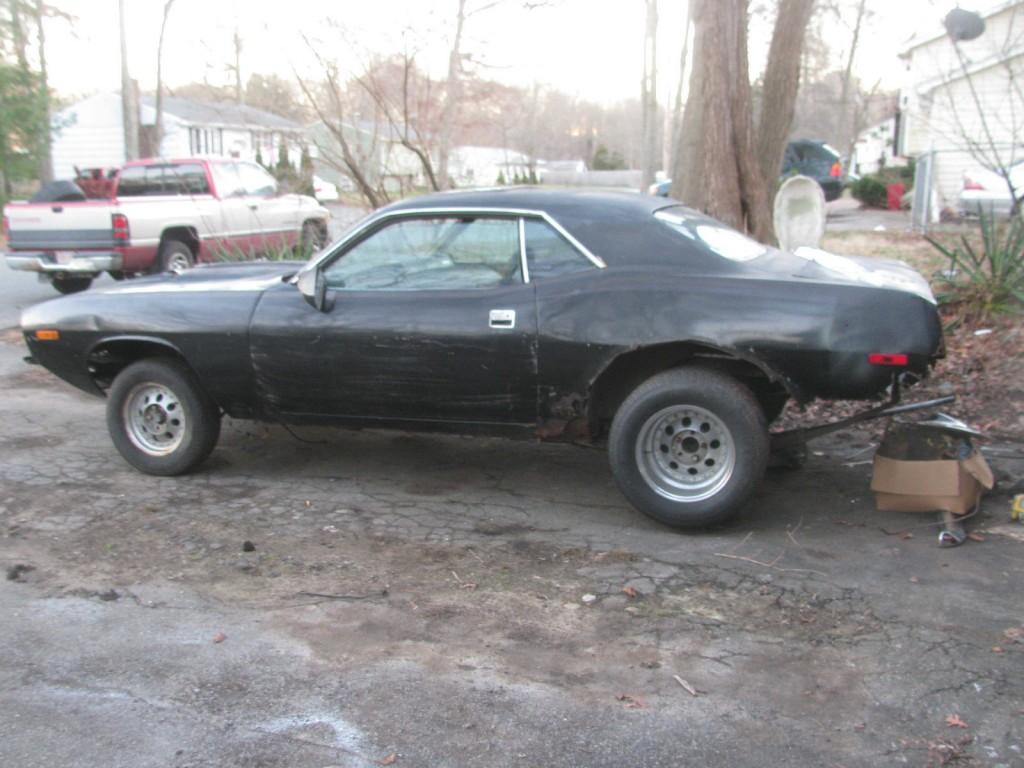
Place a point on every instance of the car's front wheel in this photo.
(689, 446)
(160, 419)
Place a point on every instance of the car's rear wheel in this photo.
(312, 239)
(175, 256)
(160, 419)
(689, 446)
(68, 285)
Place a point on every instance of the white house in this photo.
(944, 113)
(876, 147)
(474, 166)
(90, 134)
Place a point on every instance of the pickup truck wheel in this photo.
(68, 285)
(160, 419)
(175, 256)
(688, 447)
(311, 240)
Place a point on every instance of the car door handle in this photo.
(502, 318)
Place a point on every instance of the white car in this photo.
(325, 191)
(985, 190)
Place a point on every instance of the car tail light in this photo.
(836, 170)
(119, 223)
(970, 183)
(884, 358)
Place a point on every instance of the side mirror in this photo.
(313, 287)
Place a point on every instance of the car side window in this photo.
(225, 176)
(139, 180)
(187, 179)
(549, 254)
(257, 182)
(431, 254)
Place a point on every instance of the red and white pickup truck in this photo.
(163, 215)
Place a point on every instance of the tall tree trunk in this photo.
(781, 85)
(754, 195)
(158, 122)
(129, 96)
(46, 136)
(649, 97)
(452, 97)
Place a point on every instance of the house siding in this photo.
(941, 113)
(89, 134)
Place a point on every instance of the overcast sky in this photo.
(590, 48)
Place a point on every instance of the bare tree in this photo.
(649, 96)
(846, 129)
(158, 123)
(677, 104)
(344, 153)
(452, 97)
(402, 117)
(129, 95)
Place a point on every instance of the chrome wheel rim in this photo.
(178, 263)
(154, 419)
(685, 453)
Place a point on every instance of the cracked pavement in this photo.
(452, 602)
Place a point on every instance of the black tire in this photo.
(68, 285)
(312, 239)
(200, 417)
(175, 256)
(688, 400)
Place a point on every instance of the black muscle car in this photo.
(516, 312)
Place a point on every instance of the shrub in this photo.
(870, 190)
(990, 280)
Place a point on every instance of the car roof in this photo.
(618, 227)
(535, 198)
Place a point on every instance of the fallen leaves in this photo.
(220, 637)
(1014, 634)
(630, 591)
(389, 760)
(631, 702)
(955, 721)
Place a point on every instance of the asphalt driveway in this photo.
(362, 598)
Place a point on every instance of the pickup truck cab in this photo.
(164, 215)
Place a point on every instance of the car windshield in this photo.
(711, 235)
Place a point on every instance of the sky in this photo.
(588, 48)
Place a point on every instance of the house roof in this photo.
(937, 30)
(222, 113)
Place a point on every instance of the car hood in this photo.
(239, 276)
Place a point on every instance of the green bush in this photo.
(870, 190)
(988, 281)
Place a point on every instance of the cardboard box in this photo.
(930, 486)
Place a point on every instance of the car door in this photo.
(274, 217)
(429, 320)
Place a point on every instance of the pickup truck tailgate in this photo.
(59, 226)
